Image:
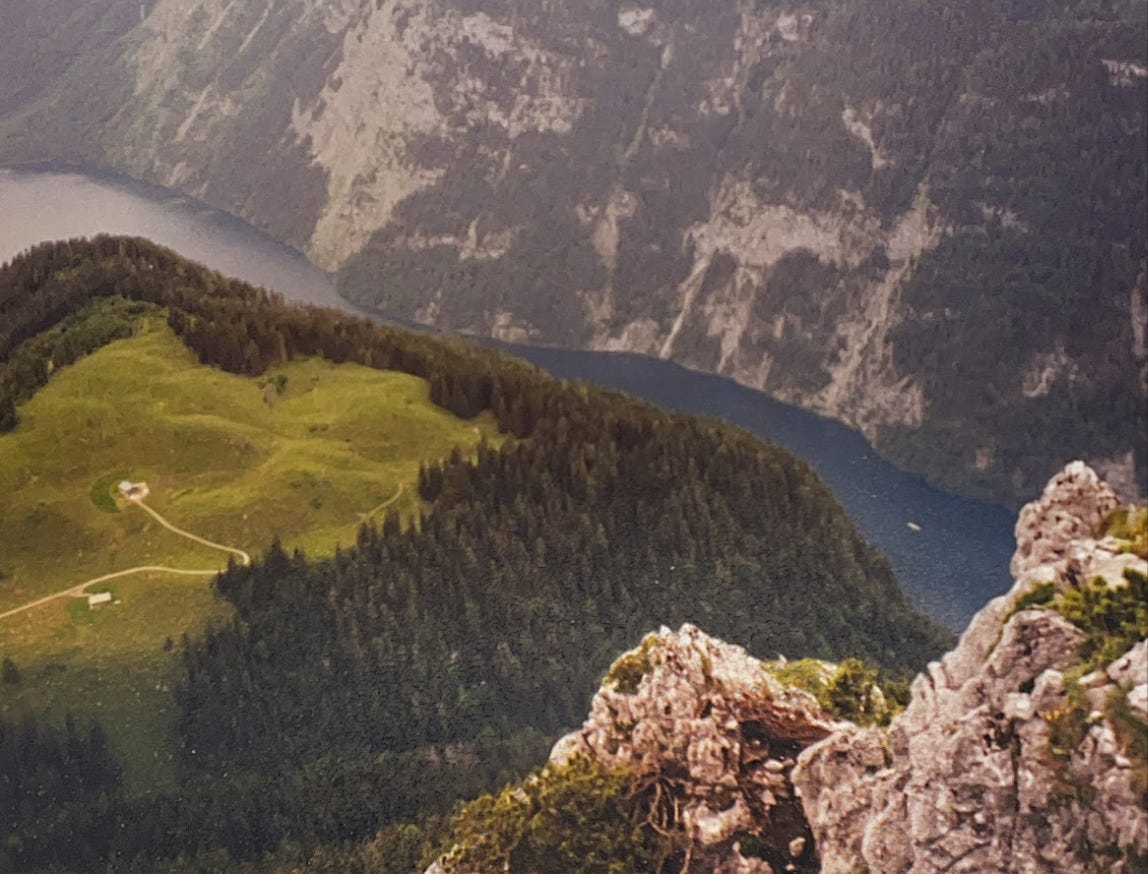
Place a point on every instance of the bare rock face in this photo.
(986, 771)
(712, 736)
(1068, 512)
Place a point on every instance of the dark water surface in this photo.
(950, 567)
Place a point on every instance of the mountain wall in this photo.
(1025, 749)
(926, 221)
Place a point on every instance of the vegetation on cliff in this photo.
(572, 818)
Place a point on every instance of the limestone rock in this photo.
(1070, 510)
(714, 736)
(980, 774)
(993, 768)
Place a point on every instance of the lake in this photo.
(950, 554)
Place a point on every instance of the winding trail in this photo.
(363, 517)
(244, 558)
(78, 591)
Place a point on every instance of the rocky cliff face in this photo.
(716, 735)
(926, 221)
(1024, 750)
(1006, 759)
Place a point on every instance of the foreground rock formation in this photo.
(1015, 754)
(977, 775)
(716, 735)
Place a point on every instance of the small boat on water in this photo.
(913, 526)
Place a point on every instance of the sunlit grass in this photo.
(231, 459)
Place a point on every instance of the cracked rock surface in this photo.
(712, 736)
(976, 778)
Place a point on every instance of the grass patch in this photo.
(101, 493)
(1131, 527)
(111, 665)
(625, 675)
(224, 459)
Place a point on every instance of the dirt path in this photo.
(244, 558)
(363, 517)
(78, 591)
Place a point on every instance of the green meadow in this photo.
(306, 452)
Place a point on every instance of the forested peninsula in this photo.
(351, 700)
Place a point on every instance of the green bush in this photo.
(1112, 618)
(626, 673)
(9, 673)
(1131, 734)
(853, 694)
(101, 493)
(809, 675)
(1130, 526)
(1036, 597)
(1068, 725)
(853, 691)
(569, 819)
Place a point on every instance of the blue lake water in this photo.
(950, 567)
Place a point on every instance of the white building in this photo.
(133, 491)
(98, 600)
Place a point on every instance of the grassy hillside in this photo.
(306, 452)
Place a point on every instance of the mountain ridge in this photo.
(440, 652)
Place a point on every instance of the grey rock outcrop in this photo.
(979, 775)
(1069, 511)
(713, 736)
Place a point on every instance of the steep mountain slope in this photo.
(1026, 747)
(305, 454)
(928, 221)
